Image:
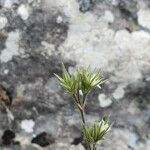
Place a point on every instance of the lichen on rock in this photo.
(36, 36)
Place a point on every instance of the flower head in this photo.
(98, 131)
(89, 80)
(67, 81)
(83, 81)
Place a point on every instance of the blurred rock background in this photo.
(37, 35)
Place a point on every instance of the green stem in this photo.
(84, 100)
(82, 116)
(77, 100)
(83, 121)
(81, 108)
(94, 146)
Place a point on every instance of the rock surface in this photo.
(36, 36)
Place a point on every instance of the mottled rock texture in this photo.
(36, 36)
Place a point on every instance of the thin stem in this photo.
(82, 116)
(84, 99)
(76, 99)
(83, 121)
(94, 146)
(81, 108)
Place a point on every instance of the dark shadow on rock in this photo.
(42, 26)
(85, 5)
(80, 140)
(43, 139)
(141, 94)
(77, 140)
(127, 12)
(8, 137)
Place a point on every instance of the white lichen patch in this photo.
(24, 11)
(108, 16)
(3, 22)
(119, 93)
(144, 18)
(9, 3)
(6, 71)
(59, 19)
(134, 54)
(20, 90)
(48, 48)
(104, 101)
(90, 41)
(12, 47)
(27, 125)
(90, 37)
(69, 7)
(114, 2)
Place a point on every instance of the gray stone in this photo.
(36, 36)
(79, 147)
(122, 139)
(52, 85)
